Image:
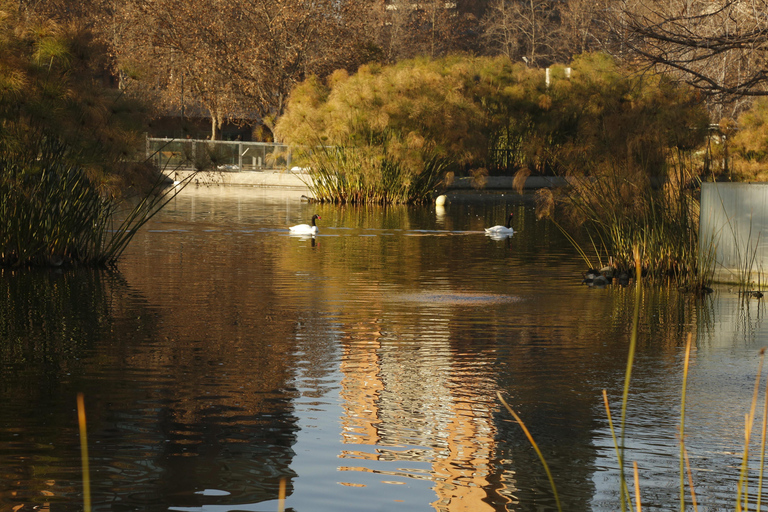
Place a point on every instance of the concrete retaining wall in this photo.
(278, 179)
(297, 180)
(734, 228)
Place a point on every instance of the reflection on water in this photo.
(361, 365)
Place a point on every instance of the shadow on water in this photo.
(169, 421)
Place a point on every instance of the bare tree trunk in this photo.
(215, 125)
(533, 33)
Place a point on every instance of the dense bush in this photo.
(477, 113)
(743, 152)
(407, 120)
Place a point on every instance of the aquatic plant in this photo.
(54, 214)
(617, 216)
(365, 175)
(85, 461)
(71, 160)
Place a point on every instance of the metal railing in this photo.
(222, 155)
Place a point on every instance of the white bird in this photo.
(305, 229)
(501, 230)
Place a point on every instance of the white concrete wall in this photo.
(287, 179)
(734, 223)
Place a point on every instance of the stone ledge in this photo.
(296, 180)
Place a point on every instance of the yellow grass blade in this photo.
(637, 487)
(281, 496)
(690, 482)
(535, 447)
(762, 449)
(624, 488)
(682, 421)
(84, 453)
(743, 487)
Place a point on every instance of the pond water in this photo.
(360, 367)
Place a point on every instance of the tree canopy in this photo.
(52, 89)
(238, 60)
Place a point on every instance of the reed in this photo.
(84, 452)
(281, 496)
(370, 175)
(535, 447)
(683, 453)
(53, 213)
(620, 214)
(742, 493)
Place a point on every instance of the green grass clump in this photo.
(618, 216)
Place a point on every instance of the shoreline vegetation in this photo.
(634, 146)
(629, 143)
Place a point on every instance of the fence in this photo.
(183, 154)
(734, 225)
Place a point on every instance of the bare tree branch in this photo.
(720, 47)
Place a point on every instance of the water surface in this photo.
(360, 366)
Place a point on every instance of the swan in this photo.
(305, 229)
(501, 230)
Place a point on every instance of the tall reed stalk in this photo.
(535, 447)
(84, 452)
(683, 457)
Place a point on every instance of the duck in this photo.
(305, 229)
(590, 275)
(502, 230)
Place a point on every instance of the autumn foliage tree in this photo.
(542, 33)
(404, 29)
(236, 60)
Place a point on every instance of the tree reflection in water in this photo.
(225, 355)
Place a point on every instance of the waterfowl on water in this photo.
(502, 230)
(590, 275)
(305, 229)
